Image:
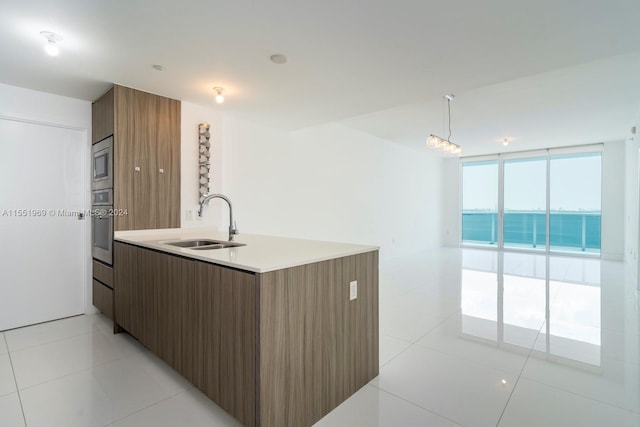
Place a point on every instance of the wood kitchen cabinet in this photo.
(146, 130)
(198, 317)
(103, 288)
(280, 348)
(102, 117)
(103, 298)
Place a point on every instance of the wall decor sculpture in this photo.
(204, 159)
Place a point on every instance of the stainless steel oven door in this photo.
(102, 225)
(102, 164)
(102, 233)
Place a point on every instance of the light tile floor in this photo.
(467, 338)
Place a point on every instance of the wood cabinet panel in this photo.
(102, 123)
(139, 293)
(127, 291)
(316, 346)
(167, 167)
(126, 130)
(145, 184)
(145, 292)
(198, 317)
(147, 139)
(226, 302)
(174, 276)
(103, 273)
(103, 299)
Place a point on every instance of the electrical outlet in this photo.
(353, 290)
(189, 215)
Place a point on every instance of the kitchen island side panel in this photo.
(317, 347)
(223, 314)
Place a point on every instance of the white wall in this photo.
(451, 203)
(613, 201)
(192, 115)
(40, 107)
(331, 182)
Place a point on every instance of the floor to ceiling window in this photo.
(575, 202)
(480, 202)
(546, 201)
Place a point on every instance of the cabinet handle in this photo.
(161, 170)
(137, 169)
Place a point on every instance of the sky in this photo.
(575, 184)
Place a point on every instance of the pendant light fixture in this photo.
(445, 144)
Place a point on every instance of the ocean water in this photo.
(573, 230)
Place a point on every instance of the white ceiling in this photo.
(544, 72)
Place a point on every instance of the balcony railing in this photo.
(568, 230)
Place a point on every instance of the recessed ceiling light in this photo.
(278, 58)
(157, 67)
(51, 46)
(505, 141)
(219, 97)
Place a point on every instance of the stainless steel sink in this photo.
(203, 244)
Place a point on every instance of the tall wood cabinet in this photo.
(146, 168)
(146, 131)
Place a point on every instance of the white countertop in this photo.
(260, 255)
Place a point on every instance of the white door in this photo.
(42, 245)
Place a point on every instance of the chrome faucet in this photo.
(232, 224)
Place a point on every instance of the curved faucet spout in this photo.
(232, 224)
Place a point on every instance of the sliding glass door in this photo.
(575, 202)
(542, 201)
(525, 203)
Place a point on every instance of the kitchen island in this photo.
(271, 331)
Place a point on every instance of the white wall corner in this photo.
(632, 205)
(613, 201)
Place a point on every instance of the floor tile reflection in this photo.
(10, 411)
(450, 380)
(374, 407)
(463, 337)
(534, 404)
(467, 337)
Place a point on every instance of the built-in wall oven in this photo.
(102, 164)
(102, 200)
(102, 225)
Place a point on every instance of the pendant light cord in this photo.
(449, 115)
(443, 115)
